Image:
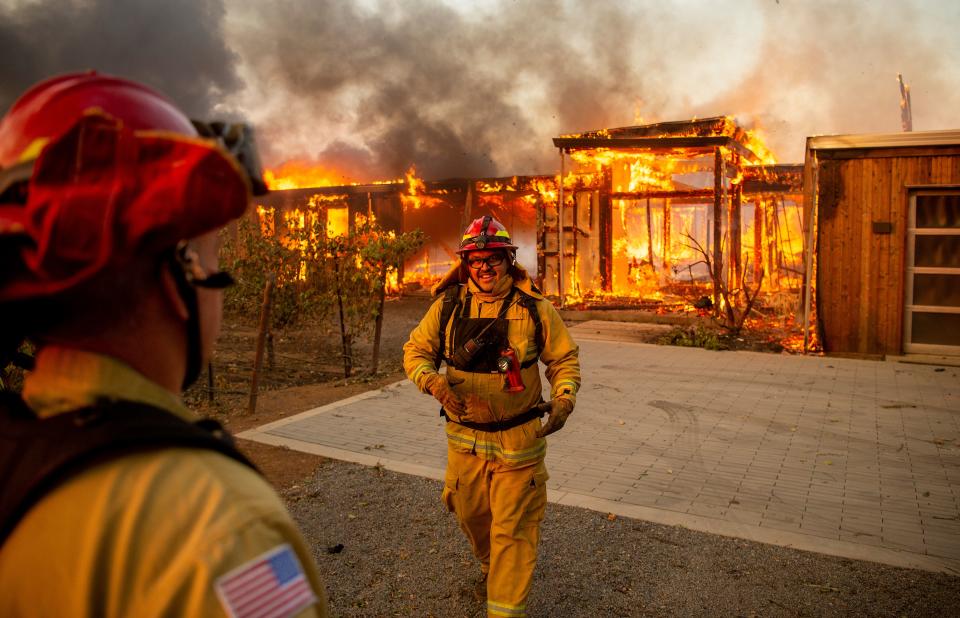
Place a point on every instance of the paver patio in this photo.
(846, 457)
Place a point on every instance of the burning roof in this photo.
(697, 135)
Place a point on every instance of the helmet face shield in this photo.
(101, 194)
(95, 170)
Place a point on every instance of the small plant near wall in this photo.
(698, 336)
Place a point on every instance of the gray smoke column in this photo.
(175, 46)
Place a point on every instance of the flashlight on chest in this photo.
(509, 367)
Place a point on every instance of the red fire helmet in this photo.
(95, 170)
(485, 233)
(54, 105)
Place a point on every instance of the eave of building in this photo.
(906, 139)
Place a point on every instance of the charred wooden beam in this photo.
(606, 231)
(664, 193)
(718, 171)
(649, 233)
(757, 239)
(667, 245)
(735, 241)
(770, 254)
(716, 125)
(654, 144)
(785, 178)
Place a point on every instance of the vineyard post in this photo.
(261, 340)
(378, 328)
(344, 337)
(210, 382)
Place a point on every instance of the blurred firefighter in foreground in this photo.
(491, 325)
(116, 502)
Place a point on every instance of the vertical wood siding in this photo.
(860, 274)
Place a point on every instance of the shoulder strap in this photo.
(37, 455)
(531, 304)
(506, 304)
(451, 301)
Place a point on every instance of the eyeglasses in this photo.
(491, 260)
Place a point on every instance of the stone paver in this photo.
(846, 457)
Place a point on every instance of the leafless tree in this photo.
(736, 303)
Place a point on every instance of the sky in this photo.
(478, 88)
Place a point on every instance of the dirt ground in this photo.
(306, 372)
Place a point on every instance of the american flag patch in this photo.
(271, 586)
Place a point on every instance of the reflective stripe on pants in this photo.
(499, 508)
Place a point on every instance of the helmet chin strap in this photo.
(189, 295)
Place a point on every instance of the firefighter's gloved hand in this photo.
(560, 410)
(440, 389)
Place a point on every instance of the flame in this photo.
(424, 272)
(655, 235)
(757, 144)
(265, 219)
(660, 198)
(338, 222)
(300, 174)
(416, 195)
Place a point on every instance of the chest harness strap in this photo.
(452, 305)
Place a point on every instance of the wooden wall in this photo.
(860, 272)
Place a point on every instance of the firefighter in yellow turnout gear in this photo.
(495, 326)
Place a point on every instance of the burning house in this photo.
(649, 208)
(652, 216)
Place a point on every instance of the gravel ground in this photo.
(403, 555)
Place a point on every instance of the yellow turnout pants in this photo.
(499, 508)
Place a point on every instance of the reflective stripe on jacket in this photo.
(483, 393)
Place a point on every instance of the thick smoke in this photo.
(373, 87)
(176, 46)
(830, 68)
(419, 82)
(369, 87)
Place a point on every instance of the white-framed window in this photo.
(932, 284)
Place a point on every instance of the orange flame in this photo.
(757, 144)
(416, 195)
(300, 174)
